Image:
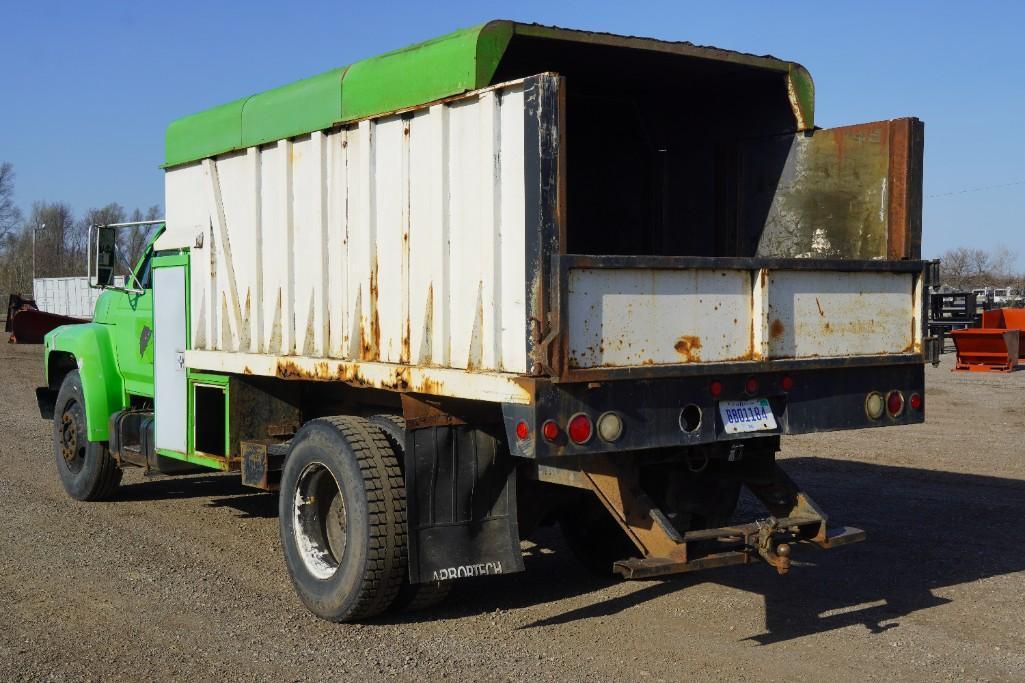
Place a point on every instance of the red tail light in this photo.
(579, 428)
(715, 388)
(751, 385)
(786, 383)
(522, 431)
(550, 430)
(894, 403)
(915, 401)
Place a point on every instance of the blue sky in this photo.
(86, 89)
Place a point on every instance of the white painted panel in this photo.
(397, 240)
(630, 317)
(512, 246)
(169, 381)
(813, 314)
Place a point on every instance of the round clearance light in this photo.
(751, 385)
(579, 429)
(895, 403)
(916, 401)
(610, 426)
(690, 418)
(550, 430)
(715, 388)
(522, 431)
(874, 405)
(786, 383)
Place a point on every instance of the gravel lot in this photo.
(183, 578)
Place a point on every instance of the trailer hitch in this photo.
(776, 554)
(794, 519)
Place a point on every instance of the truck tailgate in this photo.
(629, 312)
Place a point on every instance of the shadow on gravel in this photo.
(927, 530)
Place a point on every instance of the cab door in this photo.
(131, 315)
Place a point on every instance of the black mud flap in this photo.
(461, 511)
(46, 399)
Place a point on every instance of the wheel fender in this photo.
(102, 384)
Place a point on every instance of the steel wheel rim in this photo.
(319, 521)
(72, 447)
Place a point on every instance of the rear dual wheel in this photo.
(343, 520)
(342, 517)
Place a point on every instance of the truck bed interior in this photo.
(654, 145)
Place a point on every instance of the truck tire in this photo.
(342, 518)
(412, 597)
(86, 469)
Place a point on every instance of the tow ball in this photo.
(776, 554)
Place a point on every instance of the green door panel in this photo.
(102, 386)
(130, 317)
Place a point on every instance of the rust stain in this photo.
(396, 379)
(776, 329)
(819, 305)
(689, 348)
(247, 370)
(370, 348)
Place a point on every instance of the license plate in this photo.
(746, 416)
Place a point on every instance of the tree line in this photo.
(59, 236)
(968, 268)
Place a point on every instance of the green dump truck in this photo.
(514, 276)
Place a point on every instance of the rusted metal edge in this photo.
(453, 382)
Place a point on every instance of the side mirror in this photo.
(105, 263)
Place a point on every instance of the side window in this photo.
(144, 273)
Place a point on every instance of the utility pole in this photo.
(35, 230)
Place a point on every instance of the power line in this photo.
(976, 189)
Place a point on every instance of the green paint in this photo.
(309, 104)
(197, 379)
(460, 61)
(196, 459)
(803, 88)
(207, 378)
(102, 384)
(192, 137)
(463, 60)
(112, 359)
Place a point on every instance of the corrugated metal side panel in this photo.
(399, 240)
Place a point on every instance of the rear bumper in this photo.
(821, 399)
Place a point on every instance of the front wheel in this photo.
(342, 516)
(86, 468)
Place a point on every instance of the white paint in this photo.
(632, 317)
(825, 314)
(68, 295)
(398, 240)
(169, 381)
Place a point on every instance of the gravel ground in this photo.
(183, 578)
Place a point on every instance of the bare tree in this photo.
(966, 268)
(10, 215)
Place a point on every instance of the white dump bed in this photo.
(425, 251)
(397, 241)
